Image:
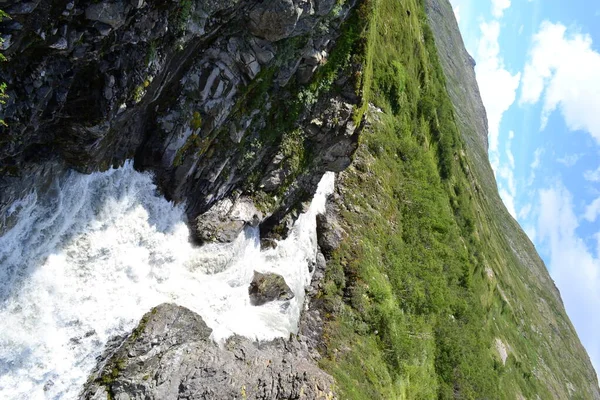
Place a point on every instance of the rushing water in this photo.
(87, 263)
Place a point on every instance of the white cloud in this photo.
(592, 175)
(569, 160)
(498, 92)
(505, 175)
(531, 232)
(456, 10)
(535, 164)
(509, 202)
(564, 68)
(498, 7)
(537, 156)
(463, 11)
(592, 211)
(509, 153)
(524, 212)
(497, 85)
(575, 269)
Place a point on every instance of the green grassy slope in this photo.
(435, 275)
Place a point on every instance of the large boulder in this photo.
(224, 221)
(274, 19)
(268, 287)
(170, 356)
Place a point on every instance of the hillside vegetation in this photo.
(436, 292)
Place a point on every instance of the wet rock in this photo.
(268, 243)
(226, 220)
(170, 356)
(268, 287)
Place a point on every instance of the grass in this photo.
(412, 311)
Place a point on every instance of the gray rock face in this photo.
(185, 88)
(268, 287)
(170, 356)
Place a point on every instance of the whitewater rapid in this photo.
(86, 263)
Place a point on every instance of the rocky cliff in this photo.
(217, 98)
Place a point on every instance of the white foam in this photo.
(88, 263)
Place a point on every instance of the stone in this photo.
(324, 7)
(60, 44)
(170, 356)
(112, 13)
(137, 3)
(26, 7)
(263, 50)
(305, 73)
(274, 19)
(226, 220)
(6, 42)
(267, 244)
(329, 231)
(268, 287)
(253, 68)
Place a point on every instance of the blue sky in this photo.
(538, 69)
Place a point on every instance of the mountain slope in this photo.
(527, 264)
(436, 291)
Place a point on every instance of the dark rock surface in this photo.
(186, 88)
(268, 287)
(329, 231)
(170, 356)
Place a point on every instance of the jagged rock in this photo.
(170, 356)
(268, 287)
(225, 220)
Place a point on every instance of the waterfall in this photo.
(85, 263)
